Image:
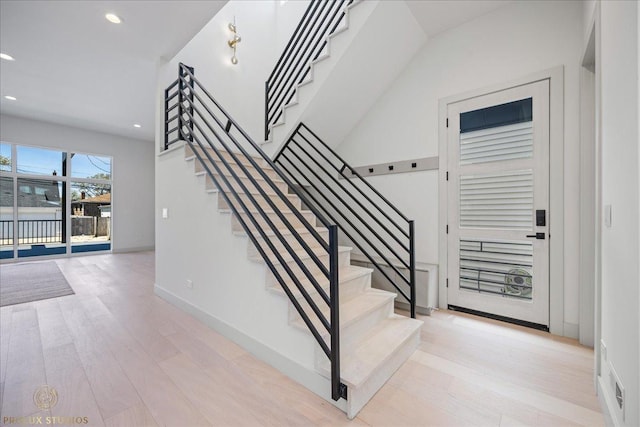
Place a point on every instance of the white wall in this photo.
(508, 43)
(263, 26)
(133, 172)
(620, 251)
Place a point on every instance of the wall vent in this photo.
(618, 391)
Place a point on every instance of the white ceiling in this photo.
(436, 16)
(74, 67)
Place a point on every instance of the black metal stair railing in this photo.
(320, 20)
(221, 146)
(372, 223)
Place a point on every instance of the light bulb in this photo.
(113, 18)
(234, 60)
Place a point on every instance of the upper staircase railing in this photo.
(320, 20)
(383, 233)
(220, 145)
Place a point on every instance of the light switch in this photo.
(165, 213)
(607, 216)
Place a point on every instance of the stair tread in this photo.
(257, 158)
(242, 176)
(280, 187)
(365, 359)
(267, 211)
(354, 308)
(346, 273)
(285, 232)
(302, 254)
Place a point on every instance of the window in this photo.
(40, 161)
(90, 166)
(48, 213)
(5, 157)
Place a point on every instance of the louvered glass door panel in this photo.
(498, 201)
(497, 267)
(497, 143)
(498, 179)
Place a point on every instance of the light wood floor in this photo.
(121, 356)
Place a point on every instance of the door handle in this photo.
(539, 236)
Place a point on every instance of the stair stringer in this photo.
(229, 292)
(337, 44)
(268, 326)
(363, 60)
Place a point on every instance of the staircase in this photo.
(341, 332)
(309, 45)
(375, 342)
(340, 59)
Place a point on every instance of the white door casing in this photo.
(498, 178)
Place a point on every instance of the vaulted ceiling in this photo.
(74, 67)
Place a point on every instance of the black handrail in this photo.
(377, 227)
(220, 146)
(320, 20)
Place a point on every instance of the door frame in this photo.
(556, 192)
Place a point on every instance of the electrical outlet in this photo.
(603, 350)
(189, 284)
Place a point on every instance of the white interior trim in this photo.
(587, 194)
(556, 194)
(301, 374)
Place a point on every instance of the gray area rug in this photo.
(34, 281)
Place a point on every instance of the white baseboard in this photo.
(606, 404)
(571, 330)
(305, 376)
(137, 249)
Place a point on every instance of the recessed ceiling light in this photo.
(7, 57)
(137, 126)
(112, 17)
(10, 98)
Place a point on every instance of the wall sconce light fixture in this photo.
(233, 43)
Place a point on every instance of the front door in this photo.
(498, 209)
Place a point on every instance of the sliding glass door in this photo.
(53, 202)
(90, 191)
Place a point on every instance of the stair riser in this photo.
(259, 160)
(290, 217)
(250, 187)
(293, 242)
(357, 398)
(343, 260)
(262, 202)
(199, 168)
(348, 289)
(356, 331)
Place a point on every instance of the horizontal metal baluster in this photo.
(271, 184)
(311, 57)
(266, 159)
(313, 5)
(348, 206)
(283, 89)
(265, 216)
(334, 154)
(355, 241)
(267, 260)
(355, 173)
(254, 221)
(355, 199)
